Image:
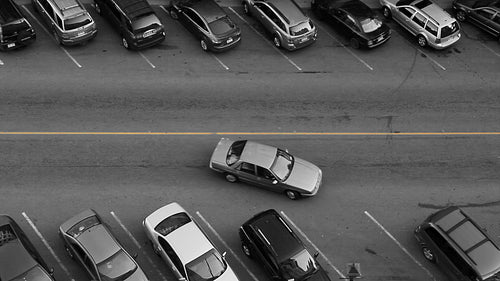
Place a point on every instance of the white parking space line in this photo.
(47, 245)
(50, 35)
(489, 49)
(265, 39)
(346, 48)
(138, 245)
(146, 59)
(219, 61)
(399, 245)
(316, 248)
(227, 247)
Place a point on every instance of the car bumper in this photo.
(222, 48)
(14, 44)
(446, 44)
(297, 45)
(80, 39)
(378, 43)
(148, 42)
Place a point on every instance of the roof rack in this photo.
(64, 5)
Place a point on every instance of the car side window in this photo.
(272, 15)
(485, 13)
(419, 19)
(114, 10)
(497, 18)
(59, 22)
(48, 8)
(172, 255)
(247, 168)
(431, 28)
(264, 173)
(407, 11)
(351, 22)
(195, 17)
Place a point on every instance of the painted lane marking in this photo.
(219, 61)
(489, 49)
(263, 133)
(316, 248)
(50, 35)
(47, 246)
(137, 245)
(345, 48)
(265, 39)
(227, 247)
(400, 246)
(146, 59)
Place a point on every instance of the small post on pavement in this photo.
(353, 271)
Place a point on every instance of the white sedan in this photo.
(185, 248)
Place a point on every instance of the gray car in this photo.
(289, 27)
(266, 166)
(91, 244)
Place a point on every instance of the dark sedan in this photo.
(208, 22)
(483, 13)
(355, 19)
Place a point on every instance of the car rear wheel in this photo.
(173, 14)
(422, 42)
(354, 43)
(246, 8)
(70, 254)
(231, 178)
(291, 194)
(276, 41)
(386, 12)
(246, 250)
(461, 15)
(203, 45)
(428, 254)
(97, 8)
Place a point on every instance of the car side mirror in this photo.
(275, 182)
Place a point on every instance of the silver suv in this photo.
(289, 26)
(424, 19)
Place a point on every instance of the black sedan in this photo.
(208, 22)
(355, 19)
(483, 13)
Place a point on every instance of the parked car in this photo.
(135, 21)
(68, 20)
(185, 248)
(19, 260)
(90, 243)
(269, 240)
(355, 19)
(428, 22)
(461, 248)
(266, 166)
(483, 13)
(15, 30)
(208, 22)
(285, 21)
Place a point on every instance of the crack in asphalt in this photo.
(433, 206)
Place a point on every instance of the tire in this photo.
(97, 8)
(71, 256)
(461, 16)
(154, 249)
(276, 41)
(246, 250)
(354, 43)
(422, 42)
(173, 14)
(386, 12)
(428, 254)
(293, 195)
(56, 37)
(125, 43)
(231, 178)
(203, 45)
(246, 9)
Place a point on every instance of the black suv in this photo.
(267, 238)
(135, 20)
(15, 30)
(19, 260)
(459, 246)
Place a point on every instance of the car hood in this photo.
(304, 175)
(220, 153)
(228, 275)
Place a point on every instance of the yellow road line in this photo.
(261, 133)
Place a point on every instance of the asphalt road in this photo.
(390, 181)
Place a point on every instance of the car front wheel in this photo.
(125, 43)
(461, 15)
(68, 251)
(354, 43)
(231, 178)
(97, 8)
(203, 45)
(291, 194)
(428, 254)
(246, 8)
(173, 14)
(246, 250)
(276, 41)
(422, 42)
(387, 12)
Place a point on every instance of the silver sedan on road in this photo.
(266, 166)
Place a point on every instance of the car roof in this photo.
(274, 232)
(354, 7)
(134, 8)
(288, 10)
(189, 242)
(471, 239)
(438, 14)
(99, 243)
(259, 154)
(208, 9)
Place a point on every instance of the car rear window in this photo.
(82, 226)
(8, 12)
(301, 28)
(172, 223)
(221, 25)
(76, 22)
(144, 21)
(449, 29)
(234, 153)
(369, 25)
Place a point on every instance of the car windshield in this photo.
(221, 25)
(76, 22)
(234, 153)
(282, 165)
(449, 29)
(85, 224)
(369, 25)
(172, 223)
(207, 267)
(299, 265)
(117, 267)
(144, 21)
(34, 274)
(301, 28)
